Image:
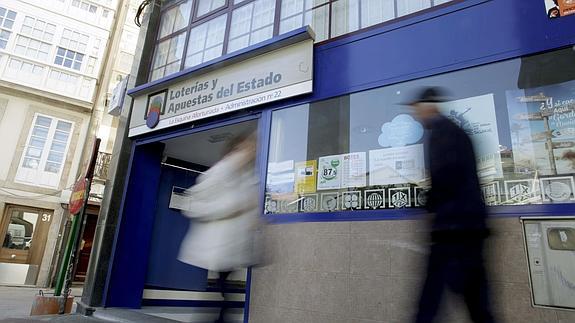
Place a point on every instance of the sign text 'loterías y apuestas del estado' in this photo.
(265, 78)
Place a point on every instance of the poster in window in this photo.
(559, 8)
(329, 172)
(281, 177)
(354, 170)
(542, 124)
(397, 165)
(305, 177)
(476, 116)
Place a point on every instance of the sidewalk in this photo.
(16, 302)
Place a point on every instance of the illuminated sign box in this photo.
(243, 81)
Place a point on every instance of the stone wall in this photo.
(372, 272)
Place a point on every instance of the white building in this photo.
(53, 59)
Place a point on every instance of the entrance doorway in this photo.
(24, 231)
(170, 282)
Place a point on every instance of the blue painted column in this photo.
(129, 265)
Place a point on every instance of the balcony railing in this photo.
(102, 166)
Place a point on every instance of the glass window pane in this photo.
(33, 152)
(37, 142)
(206, 6)
(161, 55)
(175, 19)
(367, 151)
(58, 146)
(43, 121)
(238, 43)
(20, 230)
(52, 167)
(251, 19)
(30, 163)
(64, 126)
(410, 6)
(376, 11)
(345, 17)
(61, 136)
(55, 157)
(40, 132)
(206, 37)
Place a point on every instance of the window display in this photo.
(365, 151)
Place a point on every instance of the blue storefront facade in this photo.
(341, 163)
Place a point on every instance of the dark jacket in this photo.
(455, 195)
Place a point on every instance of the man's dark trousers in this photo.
(457, 265)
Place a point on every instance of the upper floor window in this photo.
(38, 29)
(74, 40)
(32, 48)
(7, 18)
(85, 6)
(44, 154)
(69, 58)
(192, 32)
(206, 6)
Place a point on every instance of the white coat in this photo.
(223, 208)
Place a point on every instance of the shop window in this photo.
(44, 154)
(365, 151)
(32, 48)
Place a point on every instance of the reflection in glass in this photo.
(20, 230)
(206, 41)
(365, 151)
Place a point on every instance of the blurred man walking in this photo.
(458, 227)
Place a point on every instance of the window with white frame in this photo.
(24, 71)
(45, 151)
(63, 82)
(96, 47)
(25, 67)
(91, 65)
(69, 58)
(71, 51)
(74, 40)
(38, 29)
(85, 6)
(7, 18)
(32, 48)
(251, 24)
